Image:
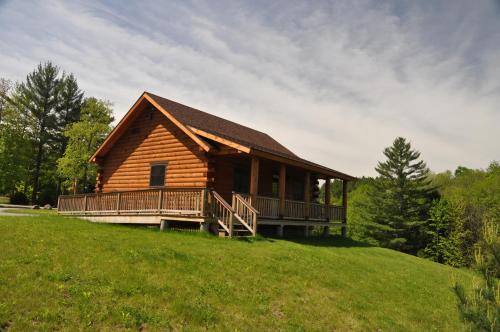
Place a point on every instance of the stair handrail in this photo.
(245, 212)
(223, 212)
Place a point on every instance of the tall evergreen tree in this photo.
(400, 200)
(69, 108)
(39, 98)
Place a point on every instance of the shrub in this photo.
(19, 198)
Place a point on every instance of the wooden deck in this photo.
(241, 217)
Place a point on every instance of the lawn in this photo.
(64, 273)
(4, 200)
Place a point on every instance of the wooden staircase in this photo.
(238, 220)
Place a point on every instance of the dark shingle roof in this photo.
(232, 131)
(223, 128)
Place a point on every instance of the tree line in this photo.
(451, 217)
(48, 130)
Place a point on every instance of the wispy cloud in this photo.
(336, 82)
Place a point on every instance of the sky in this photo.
(334, 81)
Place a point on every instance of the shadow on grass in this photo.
(257, 238)
(318, 241)
(331, 241)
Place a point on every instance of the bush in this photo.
(19, 198)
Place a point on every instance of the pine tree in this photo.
(399, 200)
(38, 97)
(69, 108)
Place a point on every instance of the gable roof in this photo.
(221, 127)
(199, 125)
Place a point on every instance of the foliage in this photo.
(481, 309)
(399, 198)
(84, 137)
(18, 198)
(69, 108)
(37, 99)
(35, 120)
(358, 215)
(40, 109)
(67, 274)
(446, 234)
(454, 226)
(474, 197)
(15, 144)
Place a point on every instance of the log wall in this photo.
(151, 137)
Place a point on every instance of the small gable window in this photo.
(157, 175)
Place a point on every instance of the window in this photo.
(276, 185)
(157, 175)
(241, 180)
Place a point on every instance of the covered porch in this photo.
(284, 193)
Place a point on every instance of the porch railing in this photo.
(149, 201)
(193, 202)
(268, 207)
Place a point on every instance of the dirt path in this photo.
(4, 212)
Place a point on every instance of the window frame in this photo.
(163, 164)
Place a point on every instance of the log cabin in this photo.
(169, 164)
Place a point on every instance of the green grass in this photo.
(4, 200)
(67, 274)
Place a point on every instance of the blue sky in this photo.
(335, 81)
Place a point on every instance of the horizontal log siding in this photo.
(152, 137)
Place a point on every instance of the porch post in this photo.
(327, 198)
(344, 208)
(254, 180)
(282, 190)
(307, 195)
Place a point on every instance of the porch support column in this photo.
(327, 198)
(307, 195)
(282, 190)
(344, 208)
(254, 180)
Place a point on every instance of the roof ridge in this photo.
(196, 109)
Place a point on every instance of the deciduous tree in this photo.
(84, 137)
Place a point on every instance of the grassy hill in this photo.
(62, 273)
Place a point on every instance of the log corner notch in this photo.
(99, 176)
